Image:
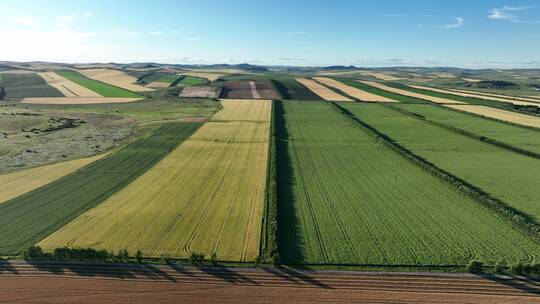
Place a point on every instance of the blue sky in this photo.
(460, 33)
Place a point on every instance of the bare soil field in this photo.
(67, 87)
(265, 90)
(83, 283)
(321, 90)
(76, 100)
(521, 119)
(354, 92)
(239, 89)
(200, 92)
(474, 95)
(17, 183)
(411, 94)
(116, 78)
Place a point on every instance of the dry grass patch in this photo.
(77, 100)
(116, 78)
(351, 91)
(475, 95)
(17, 183)
(207, 195)
(207, 75)
(381, 76)
(513, 117)
(324, 92)
(67, 87)
(411, 94)
(158, 85)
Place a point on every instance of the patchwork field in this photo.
(27, 219)
(507, 100)
(352, 91)
(116, 78)
(344, 198)
(265, 89)
(289, 88)
(191, 81)
(324, 92)
(17, 183)
(381, 76)
(67, 87)
(99, 87)
(523, 138)
(506, 175)
(409, 93)
(512, 97)
(27, 84)
(520, 119)
(201, 92)
(207, 195)
(242, 89)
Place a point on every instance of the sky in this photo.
(458, 33)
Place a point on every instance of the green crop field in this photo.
(506, 175)
(289, 88)
(344, 198)
(20, 85)
(106, 90)
(191, 81)
(29, 218)
(523, 138)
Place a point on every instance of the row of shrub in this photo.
(81, 254)
(475, 266)
(517, 218)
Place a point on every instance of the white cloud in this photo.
(504, 13)
(63, 21)
(156, 33)
(24, 20)
(459, 23)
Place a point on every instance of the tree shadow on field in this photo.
(529, 285)
(7, 268)
(109, 270)
(228, 275)
(296, 276)
(289, 243)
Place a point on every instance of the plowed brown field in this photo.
(83, 283)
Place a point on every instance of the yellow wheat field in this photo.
(17, 183)
(207, 75)
(207, 195)
(521, 119)
(411, 94)
(351, 91)
(67, 87)
(324, 92)
(481, 96)
(116, 78)
(380, 76)
(523, 98)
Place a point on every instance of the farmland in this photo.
(209, 198)
(289, 88)
(20, 85)
(352, 91)
(115, 78)
(345, 198)
(191, 81)
(101, 88)
(506, 175)
(324, 92)
(27, 219)
(67, 87)
(243, 89)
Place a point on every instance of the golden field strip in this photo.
(521, 119)
(354, 92)
(530, 98)
(207, 195)
(77, 100)
(17, 183)
(115, 78)
(67, 87)
(324, 92)
(207, 75)
(380, 76)
(408, 93)
(467, 94)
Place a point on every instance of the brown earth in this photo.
(200, 92)
(266, 90)
(235, 89)
(84, 283)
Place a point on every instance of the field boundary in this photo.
(516, 218)
(485, 139)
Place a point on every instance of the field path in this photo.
(86, 283)
(254, 90)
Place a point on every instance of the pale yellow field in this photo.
(67, 87)
(207, 195)
(77, 100)
(445, 75)
(207, 75)
(17, 183)
(468, 94)
(351, 91)
(380, 76)
(324, 92)
(522, 98)
(517, 118)
(411, 94)
(157, 84)
(471, 79)
(116, 78)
